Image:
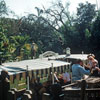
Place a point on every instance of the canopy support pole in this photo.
(27, 78)
(52, 73)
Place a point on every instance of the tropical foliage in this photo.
(50, 29)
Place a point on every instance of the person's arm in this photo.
(87, 66)
(56, 78)
(97, 68)
(84, 71)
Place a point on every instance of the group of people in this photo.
(79, 69)
(39, 91)
(63, 78)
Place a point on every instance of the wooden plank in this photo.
(83, 88)
(11, 78)
(24, 75)
(18, 77)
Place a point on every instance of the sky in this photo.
(24, 7)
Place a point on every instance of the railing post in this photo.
(15, 93)
(30, 93)
(26, 96)
(11, 95)
(1, 90)
(83, 87)
(4, 85)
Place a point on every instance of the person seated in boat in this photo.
(95, 71)
(91, 59)
(66, 78)
(78, 71)
(61, 80)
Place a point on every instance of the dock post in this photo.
(11, 95)
(83, 87)
(1, 90)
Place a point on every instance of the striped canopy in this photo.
(34, 64)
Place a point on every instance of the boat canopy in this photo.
(34, 64)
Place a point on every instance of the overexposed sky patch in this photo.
(24, 7)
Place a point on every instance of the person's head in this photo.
(88, 55)
(91, 56)
(4, 73)
(80, 62)
(55, 73)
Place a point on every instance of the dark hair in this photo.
(91, 55)
(78, 61)
(4, 74)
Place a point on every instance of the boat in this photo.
(21, 72)
(41, 67)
